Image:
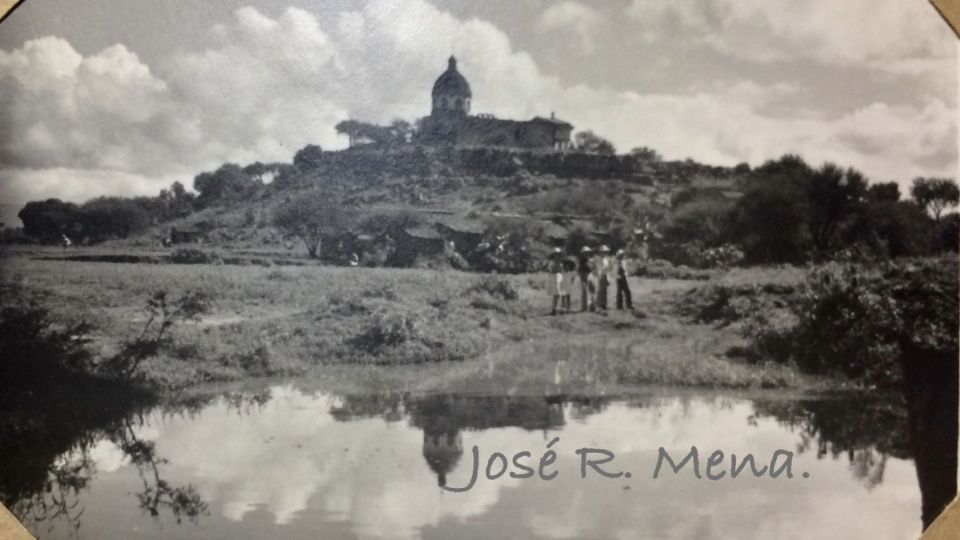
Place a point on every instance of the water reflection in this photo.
(44, 487)
(247, 464)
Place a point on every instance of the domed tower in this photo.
(451, 93)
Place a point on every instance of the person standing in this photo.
(556, 284)
(569, 267)
(585, 272)
(623, 286)
(603, 268)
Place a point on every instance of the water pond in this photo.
(289, 461)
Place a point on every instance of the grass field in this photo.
(447, 329)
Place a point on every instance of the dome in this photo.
(451, 83)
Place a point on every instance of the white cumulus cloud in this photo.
(260, 87)
(579, 19)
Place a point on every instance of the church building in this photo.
(450, 121)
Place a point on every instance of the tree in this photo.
(113, 217)
(363, 132)
(948, 234)
(47, 220)
(260, 171)
(834, 195)
(742, 168)
(645, 153)
(225, 185)
(179, 202)
(789, 169)
(308, 217)
(886, 191)
(702, 219)
(590, 143)
(391, 222)
(891, 228)
(309, 157)
(935, 194)
(401, 131)
(769, 222)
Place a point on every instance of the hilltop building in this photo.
(450, 121)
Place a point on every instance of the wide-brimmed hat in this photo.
(585, 249)
(621, 253)
(604, 249)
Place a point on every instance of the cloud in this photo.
(575, 17)
(726, 125)
(853, 31)
(262, 87)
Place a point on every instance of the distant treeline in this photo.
(104, 218)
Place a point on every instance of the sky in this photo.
(124, 98)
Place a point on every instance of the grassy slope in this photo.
(470, 199)
(297, 320)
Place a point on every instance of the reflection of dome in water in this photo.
(442, 451)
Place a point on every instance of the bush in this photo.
(34, 348)
(723, 256)
(162, 315)
(842, 328)
(856, 323)
(495, 286)
(388, 332)
(193, 256)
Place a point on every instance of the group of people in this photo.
(595, 271)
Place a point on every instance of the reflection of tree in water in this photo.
(865, 430)
(58, 499)
(45, 439)
(48, 465)
(387, 405)
(444, 417)
(157, 493)
(869, 430)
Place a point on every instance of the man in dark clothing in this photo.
(623, 286)
(569, 266)
(585, 270)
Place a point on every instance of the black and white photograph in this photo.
(443, 269)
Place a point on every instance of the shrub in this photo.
(387, 331)
(723, 256)
(856, 323)
(842, 328)
(256, 361)
(383, 290)
(34, 348)
(193, 256)
(495, 286)
(162, 315)
(486, 302)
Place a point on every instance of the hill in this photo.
(499, 209)
(467, 196)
